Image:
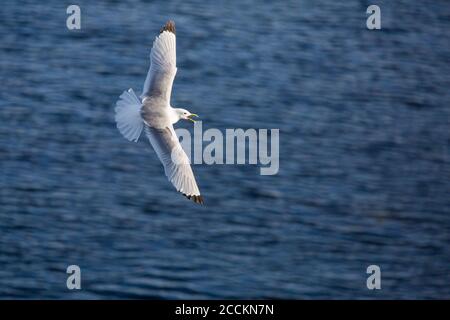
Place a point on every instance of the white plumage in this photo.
(154, 113)
(163, 66)
(128, 115)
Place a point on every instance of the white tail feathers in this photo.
(128, 115)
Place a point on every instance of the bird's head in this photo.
(185, 114)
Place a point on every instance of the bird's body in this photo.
(154, 114)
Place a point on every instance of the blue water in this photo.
(364, 152)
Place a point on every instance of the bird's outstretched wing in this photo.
(176, 163)
(163, 64)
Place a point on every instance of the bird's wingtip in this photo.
(169, 26)
(197, 199)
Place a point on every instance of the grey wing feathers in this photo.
(175, 161)
(163, 65)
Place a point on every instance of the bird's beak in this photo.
(191, 116)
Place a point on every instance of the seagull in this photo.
(153, 114)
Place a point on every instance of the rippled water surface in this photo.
(364, 151)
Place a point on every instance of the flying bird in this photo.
(153, 114)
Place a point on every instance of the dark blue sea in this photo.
(364, 172)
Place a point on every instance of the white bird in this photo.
(154, 114)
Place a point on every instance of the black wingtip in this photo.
(169, 26)
(197, 199)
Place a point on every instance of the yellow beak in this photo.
(192, 115)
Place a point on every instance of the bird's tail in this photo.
(128, 115)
